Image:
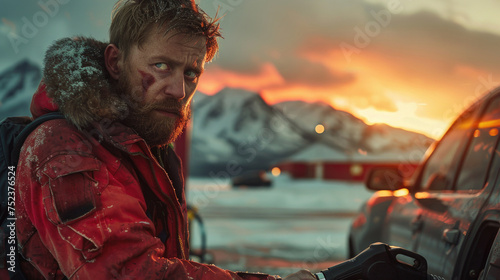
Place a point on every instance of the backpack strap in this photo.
(18, 144)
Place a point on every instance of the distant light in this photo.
(320, 129)
(493, 132)
(276, 172)
(477, 133)
(489, 124)
(422, 195)
(356, 169)
(397, 193)
(384, 193)
(401, 192)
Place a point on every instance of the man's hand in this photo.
(301, 275)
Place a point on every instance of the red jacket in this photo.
(80, 207)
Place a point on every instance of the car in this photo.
(253, 179)
(449, 210)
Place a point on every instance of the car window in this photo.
(473, 173)
(441, 167)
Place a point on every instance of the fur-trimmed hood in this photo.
(78, 83)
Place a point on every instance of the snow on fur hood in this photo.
(79, 84)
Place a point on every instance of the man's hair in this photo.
(134, 20)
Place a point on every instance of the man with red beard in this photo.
(100, 193)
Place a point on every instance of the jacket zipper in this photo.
(171, 203)
(179, 238)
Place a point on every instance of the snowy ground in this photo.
(294, 224)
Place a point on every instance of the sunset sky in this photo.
(413, 64)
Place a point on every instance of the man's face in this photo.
(160, 78)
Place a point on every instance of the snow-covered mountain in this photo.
(341, 128)
(351, 135)
(235, 130)
(17, 85)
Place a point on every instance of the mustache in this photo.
(170, 105)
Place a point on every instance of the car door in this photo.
(447, 215)
(404, 220)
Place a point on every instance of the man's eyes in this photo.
(191, 75)
(161, 66)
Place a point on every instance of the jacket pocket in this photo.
(70, 197)
(69, 193)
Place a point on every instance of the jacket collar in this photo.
(76, 82)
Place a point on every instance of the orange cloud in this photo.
(418, 72)
(216, 78)
(469, 72)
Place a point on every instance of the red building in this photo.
(321, 162)
(344, 171)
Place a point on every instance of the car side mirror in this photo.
(384, 178)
